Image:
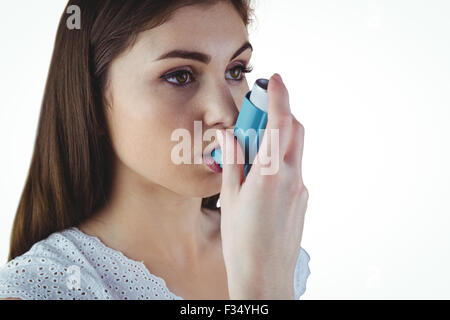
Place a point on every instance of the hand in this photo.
(262, 217)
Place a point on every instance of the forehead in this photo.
(214, 29)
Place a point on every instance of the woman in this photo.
(106, 213)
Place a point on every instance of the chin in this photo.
(204, 183)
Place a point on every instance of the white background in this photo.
(369, 80)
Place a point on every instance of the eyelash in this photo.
(243, 69)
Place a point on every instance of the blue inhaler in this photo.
(251, 123)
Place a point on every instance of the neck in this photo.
(145, 220)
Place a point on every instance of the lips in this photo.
(208, 160)
(208, 150)
(211, 164)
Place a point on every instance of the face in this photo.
(151, 97)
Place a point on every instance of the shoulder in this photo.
(51, 269)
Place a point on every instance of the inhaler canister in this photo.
(251, 123)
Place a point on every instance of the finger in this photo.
(279, 120)
(303, 198)
(294, 154)
(232, 161)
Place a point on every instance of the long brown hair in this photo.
(70, 171)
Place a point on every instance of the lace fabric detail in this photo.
(302, 273)
(73, 265)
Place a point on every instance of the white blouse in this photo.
(73, 265)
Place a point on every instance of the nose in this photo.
(219, 107)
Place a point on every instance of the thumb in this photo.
(232, 161)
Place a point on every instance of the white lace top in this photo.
(73, 265)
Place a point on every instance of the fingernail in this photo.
(277, 77)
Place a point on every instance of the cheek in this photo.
(141, 138)
(142, 142)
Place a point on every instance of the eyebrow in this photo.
(198, 56)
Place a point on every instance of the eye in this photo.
(237, 72)
(179, 78)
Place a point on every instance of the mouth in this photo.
(208, 161)
(208, 151)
